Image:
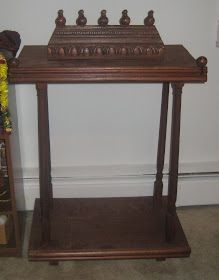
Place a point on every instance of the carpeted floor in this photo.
(201, 225)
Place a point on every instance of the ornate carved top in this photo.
(83, 41)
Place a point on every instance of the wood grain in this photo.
(176, 65)
(106, 228)
(109, 228)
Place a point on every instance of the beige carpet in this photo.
(201, 225)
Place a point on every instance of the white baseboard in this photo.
(195, 188)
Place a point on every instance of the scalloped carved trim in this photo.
(104, 51)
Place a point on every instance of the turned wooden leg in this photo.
(44, 161)
(158, 184)
(174, 161)
(50, 189)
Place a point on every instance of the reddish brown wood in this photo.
(201, 61)
(44, 161)
(60, 20)
(109, 228)
(125, 19)
(106, 228)
(174, 161)
(149, 20)
(123, 38)
(13, 62)
(158, 184)
(177, 65)
(81, 20)
(103, 20)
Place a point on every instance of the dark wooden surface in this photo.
(158, 184)
(174, 161)
(44, 159)
(106, 228)
(176, 65)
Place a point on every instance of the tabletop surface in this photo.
(176, 65)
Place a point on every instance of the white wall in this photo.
(115, 127)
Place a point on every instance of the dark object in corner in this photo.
(9, 43)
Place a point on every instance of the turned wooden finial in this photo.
(202, 62)
(13, 62)
(60, 20)
(125, 19)
(103, 20)
(149, 20)
(81, 20)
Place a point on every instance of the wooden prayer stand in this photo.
(108, 228)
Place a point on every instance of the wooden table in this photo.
(109, 228)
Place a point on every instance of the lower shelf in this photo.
(105, 228)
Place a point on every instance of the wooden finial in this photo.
(103, 20)
(60, 20)
(81, 20)
(125, 19)
(13, 62)
(202, 62)
(149, 20)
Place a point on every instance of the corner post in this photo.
(158, 184)
(44, 161)
(174, 161)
